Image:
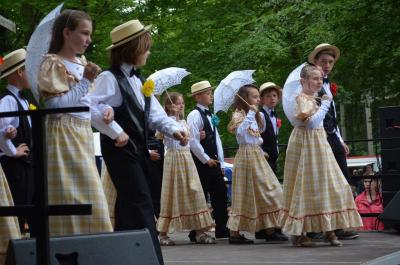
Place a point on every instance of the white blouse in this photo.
(79, 95)
(249, 123)
(171, 143)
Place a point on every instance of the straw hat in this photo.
(12, 62)
(127, 32)
(270, 86)
(200, 87)
(323, 47)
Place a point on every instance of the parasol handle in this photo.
(243, 100)
(170, 100)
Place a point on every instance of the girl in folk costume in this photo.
(63, 82)
(9, 227)
(183, 205)
(257, 193)
(317, 197)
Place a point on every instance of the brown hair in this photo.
(130, 51)
(307, 69)
(68, 19)
(173, 96)
(241, 105)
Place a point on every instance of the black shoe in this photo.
(260, 234)
(192, 236)
(276, 238)
(222, 233)
(346, 235)
(315, 236)
(240, 240)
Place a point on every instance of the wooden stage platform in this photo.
(371, 248)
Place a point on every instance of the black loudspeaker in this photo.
(389, 121)
(391, 214)
(119, 248)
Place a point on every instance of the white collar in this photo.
(202, 107)
(126, 68)
(14, 90)
(268, 110)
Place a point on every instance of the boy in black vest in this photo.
(325, 56)
(270, 94)
(135, 110)
(16, 146)
(208, 155)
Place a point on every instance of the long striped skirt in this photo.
(9, 227)
(316, 195)
(183, 204)
(256, 192)
(109, 191)
(73, 177)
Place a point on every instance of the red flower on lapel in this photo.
(278, 123)
(1, 60)
(334, 89)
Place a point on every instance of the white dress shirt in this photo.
(107, 92)
(171, 143)
(8, 103)
(327, 88)
(79, 95)
(195, 122)
(242, 134)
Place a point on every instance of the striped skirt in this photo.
(109, 191)
(256, 192)
(9, 227)
(183, 204)
(73, 177)
(317, 197)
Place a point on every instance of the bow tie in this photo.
(207, 112)
(21, 94)
(135, 72)
(273, 113)
(326, 80)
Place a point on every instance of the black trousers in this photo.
(133, 207)
(272, 164)
(340, 154)
(19, 175)
(155, 182)
(213, 183)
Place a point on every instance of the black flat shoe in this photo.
(276, 238)
(260, 234)
(192, 236)
(240, 240)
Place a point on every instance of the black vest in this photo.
(209, 143)
(130, 116)
(269, 138)
(24, 133)
(330, 122)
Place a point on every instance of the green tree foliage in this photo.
(211, 38)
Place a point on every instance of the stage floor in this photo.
(369, 246)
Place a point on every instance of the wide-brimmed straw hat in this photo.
(323, 47)
(200, 87)
(126, 32)
(271, 86)
(12, 62)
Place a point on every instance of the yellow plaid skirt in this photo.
(109, 191)
(73, 177)
(256, 192)
(183, 204)
(9, 227)
(316, 195)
